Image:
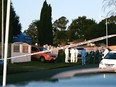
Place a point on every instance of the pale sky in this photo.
(29, 10)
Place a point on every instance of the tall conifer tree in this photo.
(45, 25)
(15, 26)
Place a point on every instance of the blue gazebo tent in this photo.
(22, 37)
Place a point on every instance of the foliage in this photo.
(45, 33)
(61, 56)
(110, 5)
(59, 31)
(61, 38)
(32, 31)
(60, 24)
(15, 26)
(79, 28)
(100, 30)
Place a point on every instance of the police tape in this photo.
(67, 46)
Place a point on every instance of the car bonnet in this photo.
(109, 61)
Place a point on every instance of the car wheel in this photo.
(42, 59)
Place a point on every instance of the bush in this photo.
(61, 56)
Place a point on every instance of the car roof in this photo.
(80, 48)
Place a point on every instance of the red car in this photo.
(42, 57)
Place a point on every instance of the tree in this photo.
(110, 5)
(80, 28)
(99, 30)
(59, 31)
(61, 38)
(111, 28)
(32, 31)
(15, 25)
(60, 24)
(45, 33)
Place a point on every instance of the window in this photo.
(42, 49)
(25, 49)
(34, 49)
(110, 56)
(16, 48)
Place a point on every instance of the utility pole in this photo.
(106, 32)
(106, 28)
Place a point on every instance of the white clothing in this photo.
(66, 55)
(76, 55)
(72, 51)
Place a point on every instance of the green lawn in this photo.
(36, 65)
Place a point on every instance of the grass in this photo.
(35, 65)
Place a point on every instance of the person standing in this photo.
(97, 54)
(92, 59)
(72, 51)
(66, 55)
(76, 55)
(83, 54)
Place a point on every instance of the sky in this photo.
(29, 10)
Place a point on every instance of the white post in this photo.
(2, 35)
(6, 43)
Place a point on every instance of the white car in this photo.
(109, 61)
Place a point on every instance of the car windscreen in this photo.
(110, 56)
(42, 49)
(34, 49)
